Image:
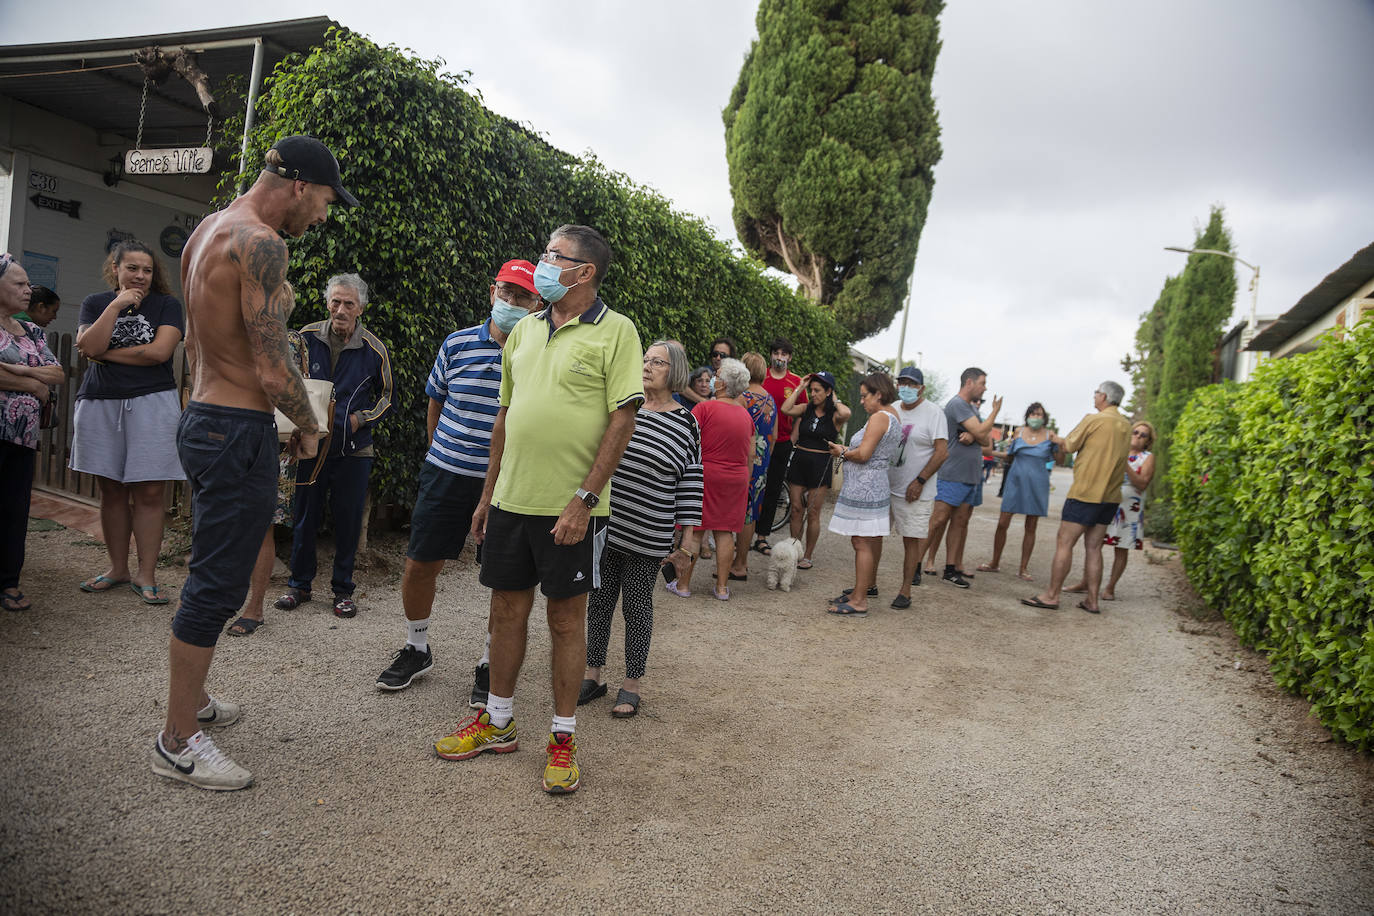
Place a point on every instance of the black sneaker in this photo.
(481, 685)
(872, 592)
(408, 664)
(916, 576)
(901, 602)
(953, 578)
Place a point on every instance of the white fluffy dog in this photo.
(783, 570)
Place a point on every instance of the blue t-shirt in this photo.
(135, 326)
(965, 462)
(467, 378)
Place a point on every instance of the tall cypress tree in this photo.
(832, 140)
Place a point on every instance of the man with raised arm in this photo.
(233, 274)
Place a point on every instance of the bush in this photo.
(1274, 510)
(450, 191)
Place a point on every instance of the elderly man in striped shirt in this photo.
(464, 392)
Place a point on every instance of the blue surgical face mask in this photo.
(908, 394)
(506, 315)
(1035, 422)
(546, 281)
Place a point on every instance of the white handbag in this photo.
(320, 393)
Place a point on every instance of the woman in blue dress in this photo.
(1027, 490)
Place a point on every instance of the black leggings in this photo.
(633, 575)
(16, 486)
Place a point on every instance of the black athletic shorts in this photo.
(518, 552)
(810, 469)
(230, 458)
(442, 516)
(1088, 514)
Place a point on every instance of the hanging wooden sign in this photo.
(179, 161)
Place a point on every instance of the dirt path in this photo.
(966, 755)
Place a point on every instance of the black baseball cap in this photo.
(307, 159)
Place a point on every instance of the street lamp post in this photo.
(1251, 328)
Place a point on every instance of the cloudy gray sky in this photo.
(1080, 138)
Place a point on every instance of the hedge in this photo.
(450, 190)
(1274, 512)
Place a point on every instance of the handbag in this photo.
(49, 418)
(320, 393)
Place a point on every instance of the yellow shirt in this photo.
(560, 388)
(1102, 441)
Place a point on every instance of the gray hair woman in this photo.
(727, 452)
(657, 486)
(27, 369)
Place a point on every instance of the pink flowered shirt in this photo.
(19, 411)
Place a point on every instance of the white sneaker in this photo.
(201, 764)
(218, 714)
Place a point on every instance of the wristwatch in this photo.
(921, 480)
(589, 499)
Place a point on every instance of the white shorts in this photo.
(911, 520)
(128, 440)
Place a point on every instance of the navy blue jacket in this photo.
(362, 383)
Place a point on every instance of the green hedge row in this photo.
(451, 190)
(1274, 511)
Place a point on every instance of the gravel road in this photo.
(966, 755)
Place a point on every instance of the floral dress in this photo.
(20, 412)
(764, 413)
(1127, 529)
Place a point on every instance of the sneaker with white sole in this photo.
(481, 686)
(218, 714)
(201, 764)
(406, 665)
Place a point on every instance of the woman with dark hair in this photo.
(817, 424)
(863, 510)
(125, 423)
(699, 383)
(27, 371)
(43, 306)
(764, 412)
(1027, 491)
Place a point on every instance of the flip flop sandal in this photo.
(151, 594)
(744, 578)
(625, 698)
(804, 564)
(291, 600)
(1091, 610)
(246, 626)
(901, 602)
(672, 588)
(11, 602)
(590, 691)
(984, 567)
(762, 546)
(93, 585)
(1036, 602)
(846, 610)
(719, 596)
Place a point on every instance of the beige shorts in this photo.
(911, 520)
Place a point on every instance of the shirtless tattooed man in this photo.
(233, 274)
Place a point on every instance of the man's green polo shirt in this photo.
(560, 388)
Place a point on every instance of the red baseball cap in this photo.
(521, 273)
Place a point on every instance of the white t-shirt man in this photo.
(921, 426)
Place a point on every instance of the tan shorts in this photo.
(911, 520)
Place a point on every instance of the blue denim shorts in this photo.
(959, 494)
(230, 458)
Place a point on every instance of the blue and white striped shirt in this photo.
(467, 378)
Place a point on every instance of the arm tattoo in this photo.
(261, 258)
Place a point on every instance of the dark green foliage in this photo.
(1175, 351)
(1273, 486)
(832, 141)
(450, 191)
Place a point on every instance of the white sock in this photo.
(564, 724)
(500, 709)
(417, 634)
(486, 652)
